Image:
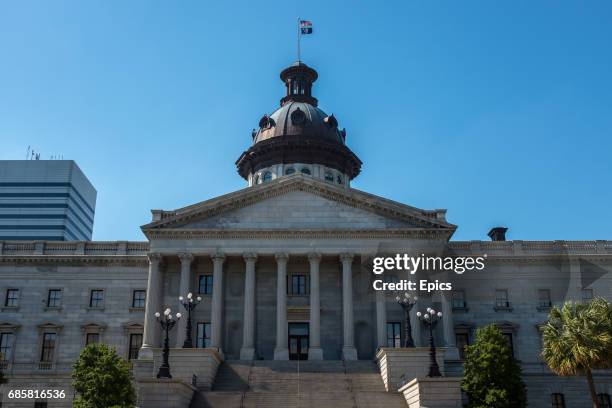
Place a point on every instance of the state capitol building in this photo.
(284, 270)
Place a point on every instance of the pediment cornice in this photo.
(425, 219)
(417, 233)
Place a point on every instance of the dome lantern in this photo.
(298, 79)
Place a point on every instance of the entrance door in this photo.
(298, 341)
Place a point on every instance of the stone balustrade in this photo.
(73, 248)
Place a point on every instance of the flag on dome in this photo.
(306, 27)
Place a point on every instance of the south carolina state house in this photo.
(288, 315)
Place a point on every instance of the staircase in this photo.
(303, 384)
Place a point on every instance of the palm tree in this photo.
(578, 340)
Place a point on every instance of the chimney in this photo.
(498, 233)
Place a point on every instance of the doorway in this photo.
(298, 341)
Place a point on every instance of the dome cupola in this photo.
(299, 137)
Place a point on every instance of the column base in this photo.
(146, 352)
(281, 354)
(349, 353)
(315, 353)
(247, 353)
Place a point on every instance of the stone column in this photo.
(348, 349)
(247, 352)
(315, 352)
(216, 323)
(185, 287)
(281, 352)
(381, 319)
(451, 353)
(153, 304)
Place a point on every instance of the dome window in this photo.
(267, 177)
(298, 117)
(331, 121)
(329, 176)
(339, 179)
(289, 171)
(266, 122)
(305, 170)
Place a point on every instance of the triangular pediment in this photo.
(298, 202)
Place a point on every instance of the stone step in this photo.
(318, 384)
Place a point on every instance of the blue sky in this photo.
(500, 112)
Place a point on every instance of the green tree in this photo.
(492, 377)
(578, 340)
(102, 379)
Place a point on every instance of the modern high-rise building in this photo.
(48, 200)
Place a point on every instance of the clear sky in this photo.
(500, 112)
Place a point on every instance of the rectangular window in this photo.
(96, 298)
(40, 404)
(462, 340)
(6, 346)
(558, 400)
(501, 298)
(12, 298)
(508, 337)
(458, 299)
(48, 347)
(205, 285)
(54, 299)
(298, 285)
(544, 298)
(394, 336)
(203, 335)
(92, 338)
(135, 344)
(139, 298)
(587, 295)
(604, 400)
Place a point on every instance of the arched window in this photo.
(339, 179)
(267, 177)
(305, 170)
(289, 171)
(256, 179)
(329, 176)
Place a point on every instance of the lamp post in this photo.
(189, 305)
(167, 322)
(430, 320)
(407, 302)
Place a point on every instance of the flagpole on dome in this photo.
(299, 36)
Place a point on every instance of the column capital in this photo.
(218, 257)
(346, 257)
(314, 256)
(185, 257)
(154, 257)
(249, 256)
(281, 256)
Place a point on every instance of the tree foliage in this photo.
(578, 339)
(492, 377)
(102, 379)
